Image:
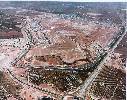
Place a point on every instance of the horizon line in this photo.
(124, 1)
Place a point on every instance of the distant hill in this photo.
(109, 10)
(61, 6)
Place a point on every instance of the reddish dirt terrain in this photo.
(68, 43)
(110, 82)
(10, 34)
(122, 47)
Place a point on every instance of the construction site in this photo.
(53, 56)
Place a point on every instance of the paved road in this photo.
(81, 89)
(89, 81)
(27, 46)
(13, 76)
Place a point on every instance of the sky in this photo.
(74, 0)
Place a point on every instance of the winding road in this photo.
(82, 89)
